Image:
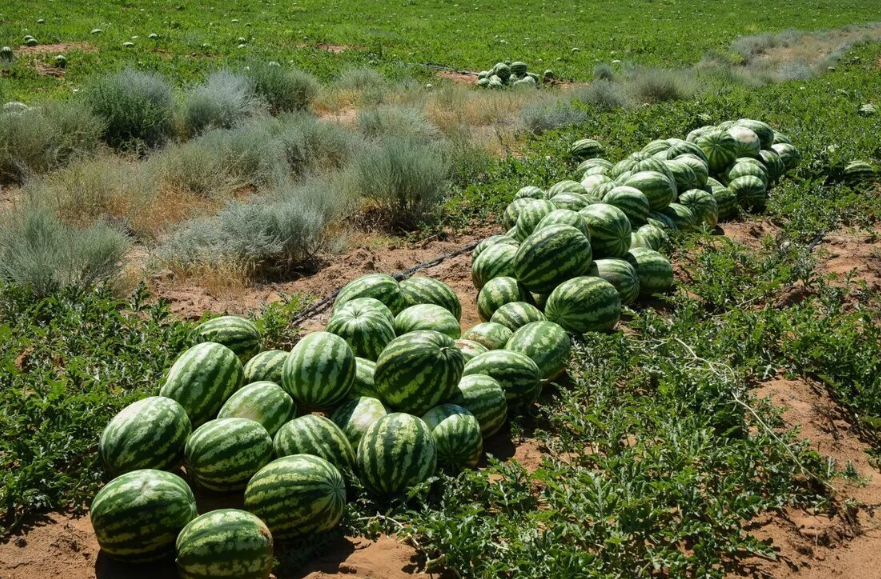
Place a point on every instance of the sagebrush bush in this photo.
(138, 108)
(361, 78)
(40, 139)
(603, 71)
(222, 101)
(547, 114)
(389, 121)
(656, 85)
(283, 89)
(312, 145)
(603, 94)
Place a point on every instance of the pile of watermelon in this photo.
(511, 74)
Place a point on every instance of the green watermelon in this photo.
(225, 544)
(427, 290)
(591, 163)
(657, 188)
(775, 165)
(529, 192)
(355, 417)
(762, 130)
(609, 232)
(493, 240)
(564, 217)
(780, 138)
(632, 202)
(567, 186)
(366, 330)
(859, 171)
(726, 200)
(651, 236)
(470, 349)
(297, 496)
(531, 215)
(595, 170)
(201, 380)
(138, 516)
(484, 397)
(698, 167)
(223, 454)
(238, 334)
(149, 433)
(750, 191)
(586, 148)
(491, 336)
(595, 186)
(427, 317)
(748, 167)
(263, 402)
(679, 147)
(319, 371)
(788, 154)
(746, 142)
(318, 436)
(546, 343)
(498, 292)
(693, 135)
(683, 175)
(552, 255)
(702, 205)
(516, 373)
(584, 304)
(496, 261)
(418, 370)
(457, 436)
(358, 304)
(363, 384)
(375, 285)
(654, 271)
(512, 211)
(656, 147)
(682, 216)
(396, 453)
(570, 201)
(265, 367)
(514, 315)
(662, 221)
(620, 274)
(720, 149)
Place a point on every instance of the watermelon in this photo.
(552, 255)
(662, 221)
(518, 68)
(566, 186)
(859, 171)
(365, 329)
(682, 216)
(427, 317)
(584, 304)
(698, 166)
(651, 236)
(720, 149)
(489, 335)
(457, 436)
(319, 371)
(223, 454)
(514, 315)
(620, 274)
(632, 202)
(656, 147)
(201, 380)
(595, 170)
(592, 163)
(726, 202)
(516, 373)
(748, 168)
(498, 292)
(418, 370)
(762, 130)
(570, 201)
(493, 240)
(679, 147)
(363, 384)
(318, 436)
(147, 434)
(693, 135)
(609, 232)
(529, 192)
(657, 188)
(225, 544)
(137, 516)
(263, 402)
(788, 154)
(565, 217)
(375, 285)
(238, 334)
(358, 304)
(539, 300)
(586, 148)
(750, 191)
(484, 397)
(496, 261)
(545, 343)
(297, 496)
(683, 175)
(780, 138)
(265, 367)
(427, 290)
(746, 142)
(702, 205)
(470, 349)
(396, 453)
(595, 186)
(654, 271)
(775, 165)
(531, 215)
(512, 211)
(355, 417)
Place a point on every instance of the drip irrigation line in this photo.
(816, 240)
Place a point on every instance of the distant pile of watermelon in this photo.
(511, 74)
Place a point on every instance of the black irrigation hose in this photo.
(433, 66)
(816, 241)
(321, 305)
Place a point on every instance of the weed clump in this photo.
(386, 121)
(222, 101)
(284, 89)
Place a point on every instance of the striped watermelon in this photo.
(496, 261)
(763, 130)
(318, 436)
(319, 371)
(396, 453)
(470, 349)
(265, 367)
(484, 397)
(586, 148)
(683, 175)
(651, 236)
(355, 417)
(750, 191)
(567, 186)
(364, 328)
(552, 255)
(748, 167)
(358, 304)
(859, 171)
(564, 217)
(149, 433)
(662, 221)
(529, 192)
(263, 402)
(788, 154)
(427, 317)
(427, 290)
(595, 170)
(726, 200)
(702, 205)
(720, 149)
(491, 336)
(516, 373)
(780, 138)
(223, 454)
(657, 146)
(631, 201)
(546, 343)
(238, 334)
(609, 232)
(595, 186)
(584, 304)
(225, 544)
(297, 496)
(201, 380)
(746, 142)
(657, 188)
(693, 135)
(775, 165)
(698, 166)
(493, 240)
(654, 271)
(592, 163)
(531, 215)
(512, 211)
(457, 436)
(498, 292)
(514, 315)
(418, 370)
(620, 274)
(679, 147)
(363, 384)
(682, 216)
(375, 285)
(570, 201)
(138, 515)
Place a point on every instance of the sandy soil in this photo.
(854, 253)
(56, 48)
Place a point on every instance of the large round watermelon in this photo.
(297, 496)
(750, 191)
(546, 343)
(748, 167)
(490, 335)
(418, 371)
(427, 317)
(586, 148)
(238, 334)
(747, 143)
(698, 167)
(375, 285)
(396, 453)
(720, 149)
(609, 232)
(201, 380)
(364, 384)
(631, 201)
(149, 433)
(570, 201)
(584, 304)
(516, 373)
(496, 261)
(514, 315)
(365, 329)
(620, 274)
(319, 371)
(498, 292)
(679, 147)
(659, 189)
(427, 290)
(484, 397)
(355, 417)
(225, 544)
(358, 304)
(223, 454)
(493, 240)
(318, 436)
(456, 435)
(702, 205)
(138, 516)
(649, 235)
(531, 215)
(565, 217)
(265, 367)
(654, 271)
(552, 255)
(470, 349)
(264, 402)
(682, 216)
(683, 175)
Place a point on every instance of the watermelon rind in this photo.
(224, 544)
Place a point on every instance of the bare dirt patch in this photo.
(751, 233)
(853, 255)
(458, 77)
(57, 48)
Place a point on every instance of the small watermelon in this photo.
(516, 373)
(620, 274)
(427, 290)
(375, 285)
(264, 402)
(491, 336)
(363, 384)
(265, 367)
(609, 232)
(366, 330)
(484, 397)
(546, 343)
(470, 349)
(498, 292)
(318, 436)
(427, 317)
(201, 380)
(654, 271)
(457, 436)
(496, 261)
(225, 544)
(355, 417)
(238, 334)
(552, 255)
(517, 314)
